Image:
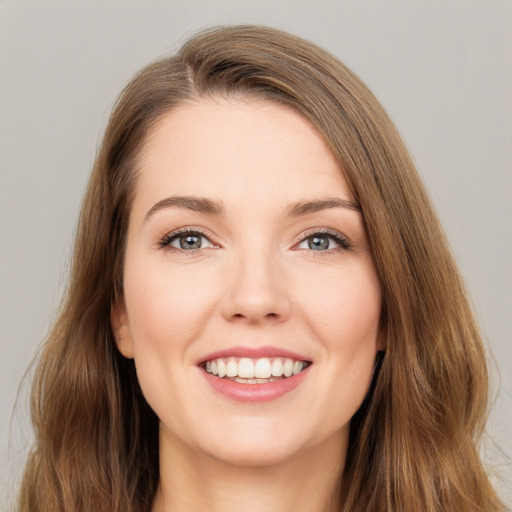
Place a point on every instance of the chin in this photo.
(254, 455)
(258, 444)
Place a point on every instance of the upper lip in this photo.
(253, 353)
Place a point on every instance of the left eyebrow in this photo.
(303, 208)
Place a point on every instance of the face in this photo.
(251, 302)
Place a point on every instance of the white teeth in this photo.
(246, 368)
(288, 367)
(297, 367)
(262, 369)
(277, 368)
(254, 371)
(221, 368)
(231, 368)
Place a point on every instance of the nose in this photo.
(256, 291)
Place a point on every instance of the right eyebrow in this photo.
(196, 204)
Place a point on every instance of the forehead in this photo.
(247, 151)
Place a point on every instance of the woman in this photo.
(263, 311)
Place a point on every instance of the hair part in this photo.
(414, 441)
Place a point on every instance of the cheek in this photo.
(347, 324)
(166, 307)
(166, 311)
(343, 308)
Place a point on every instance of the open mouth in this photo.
(245, 370)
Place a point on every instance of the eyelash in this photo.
(344, 244)
(169, 238)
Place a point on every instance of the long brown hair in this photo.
(414, 441)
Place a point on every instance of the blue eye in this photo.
(186, 240)
(324, 242)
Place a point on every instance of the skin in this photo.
(254, 282)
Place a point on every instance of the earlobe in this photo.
(121, 329)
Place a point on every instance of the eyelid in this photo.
(339, 238)
(164, 242)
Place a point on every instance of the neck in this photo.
(194, 482)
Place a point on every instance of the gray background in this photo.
(443, 70)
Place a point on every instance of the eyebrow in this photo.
(303, 208)
(210, 207)
(196, 204)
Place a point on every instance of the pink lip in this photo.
(252, 352)
(254, 392)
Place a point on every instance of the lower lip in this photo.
(255, 392)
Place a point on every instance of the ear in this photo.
(121, 329)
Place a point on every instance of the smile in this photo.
(249, 374)
(245, 370)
